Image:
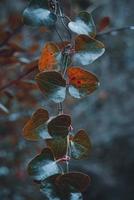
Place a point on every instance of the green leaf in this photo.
(59, 126)
(38, 14)
(52, 190)
(77, 180)
(36, 127)
(43, 166)
(87, 50)
(80, 145)
(58, 145)
(81, 82)
(83, 24)
(52, 85)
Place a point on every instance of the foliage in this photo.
(60, 66)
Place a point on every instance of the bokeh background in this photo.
(107, 115)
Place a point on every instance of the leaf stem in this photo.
(67, 153)
(59, 34)
(60, 108)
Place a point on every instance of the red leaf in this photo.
(103, 23)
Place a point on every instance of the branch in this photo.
(11, 35)
(13, 82)
(115, 31)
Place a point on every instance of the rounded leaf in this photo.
(80, 145)
(52, 190)
(81, 82)
(38, 14)
(50, 58)
(52, 85)
(83, 24)
(77, 180)
(36, 127)
(87, 50)
(58, 145)
(43, 166)
(59, 126)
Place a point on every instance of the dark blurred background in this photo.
(107, 115)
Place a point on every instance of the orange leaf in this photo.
(49, 59)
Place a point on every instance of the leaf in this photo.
(59, 126)
(43, 166)
(58, 145)
(77, 180)
(50, 58)
(104, 23)
(81, 82)
(83, 24)
(87, 50)
(52, 190)
(80, 145)
(38, 14)
(52, 85)
(36, 127)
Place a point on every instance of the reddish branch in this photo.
(11, 35)
(14, 82)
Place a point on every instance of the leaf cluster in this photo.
(61, 73)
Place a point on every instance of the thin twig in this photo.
(59, 34)
(115, 30)
(62, 17)
(93, 7)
